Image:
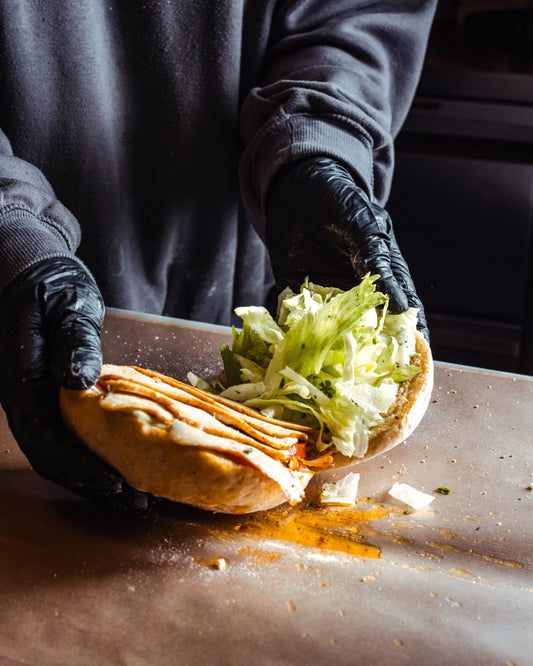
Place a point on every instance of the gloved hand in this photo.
(50, 319)
(321, 225)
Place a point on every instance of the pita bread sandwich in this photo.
(334, 381)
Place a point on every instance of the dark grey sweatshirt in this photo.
(142, 136)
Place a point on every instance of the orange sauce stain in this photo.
(340, 529)
(258, 554)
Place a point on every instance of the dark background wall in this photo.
(462, 196)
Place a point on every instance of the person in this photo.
(181, 158)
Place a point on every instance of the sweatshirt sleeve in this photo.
(339, 78)
(34, 225)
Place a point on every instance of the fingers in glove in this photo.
(369, 236)
(55, 453)
(316, 262)
(321, 225)
(34, 418)
(374, 248)
(54, 314)
(73, 311)
(77, 356)
(404, 279)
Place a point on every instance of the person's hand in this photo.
(50, 319)
(321, 225)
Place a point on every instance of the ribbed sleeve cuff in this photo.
(293, 139)
(26, 240)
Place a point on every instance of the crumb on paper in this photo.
(217, 563)
(342, 492)
(411, 496)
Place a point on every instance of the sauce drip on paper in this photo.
(340, 529)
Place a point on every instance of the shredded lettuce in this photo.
(333, 359)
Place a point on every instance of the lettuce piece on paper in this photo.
(342, 492)
(410, 496)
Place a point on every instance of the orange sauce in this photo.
(339, 529)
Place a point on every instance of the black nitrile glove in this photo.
(50, 319)
(321, 225)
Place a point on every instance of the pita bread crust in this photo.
(406, 413)
(149, 460)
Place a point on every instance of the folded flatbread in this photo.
(179, 442)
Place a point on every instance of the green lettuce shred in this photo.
(333, 360)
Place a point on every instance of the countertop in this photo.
(379, 583)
